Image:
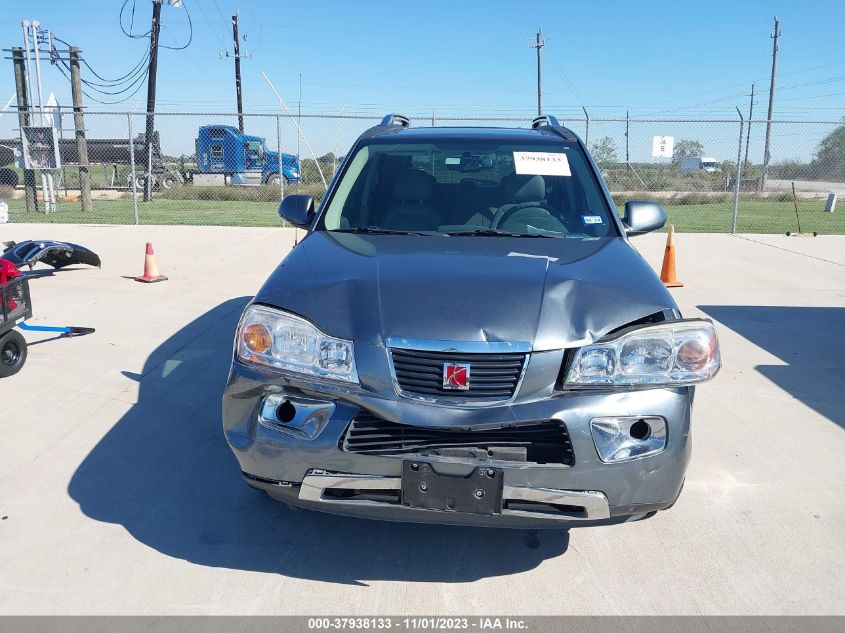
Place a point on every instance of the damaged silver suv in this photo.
(466, 336)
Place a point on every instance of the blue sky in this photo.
(654, 58)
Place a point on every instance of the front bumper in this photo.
(315, 473)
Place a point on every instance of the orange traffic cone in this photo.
(151, 273)
(667, 272)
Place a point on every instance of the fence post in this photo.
(738, 171)
(587, 132)
(132, 177)
(281, 158)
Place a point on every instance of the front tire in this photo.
(12, 353)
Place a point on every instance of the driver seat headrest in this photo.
(413, 185)
(524, 188)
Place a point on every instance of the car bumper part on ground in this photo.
(319, 474)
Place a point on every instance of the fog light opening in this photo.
(640, 430)
(286, 412)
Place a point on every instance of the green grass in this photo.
(755, 216)
(192, 212)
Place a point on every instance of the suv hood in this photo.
(552, 293)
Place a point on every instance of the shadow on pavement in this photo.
(809, 340)
(165, 473)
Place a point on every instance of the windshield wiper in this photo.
(377, 230)
(501, 233)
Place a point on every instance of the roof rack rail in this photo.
(551, 122)
(396, 119)
(544, 119)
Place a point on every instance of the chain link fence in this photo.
(201, 170)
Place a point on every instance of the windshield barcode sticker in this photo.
(592, 219)
(541, 164)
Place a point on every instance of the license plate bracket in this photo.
(480, 492)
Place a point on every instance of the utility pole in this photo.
(238, 73)
(151, 100)
(46, 176)
(766, 154)
(79, 124)
(23, 121)
(539, 44)
(748, 133)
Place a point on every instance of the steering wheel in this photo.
(506, 211)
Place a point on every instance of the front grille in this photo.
(545, 442)
(491, 376)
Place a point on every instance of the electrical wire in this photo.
(110, 83)
(209, 23)
(562, 74)
(135, 81)
(131, 78)
(190, 33)
(129, 33)
(93, 98)
(135, 36)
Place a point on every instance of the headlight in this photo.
(278, 339)
(667, 354)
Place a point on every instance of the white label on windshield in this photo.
(541, 163)
(592, 219)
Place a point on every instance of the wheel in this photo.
(12, 353)
(273, 179)
(139, 182)
(167, 181)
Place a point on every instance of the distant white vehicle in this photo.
(699, 163)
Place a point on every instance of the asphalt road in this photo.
(118, 494)
(773, 184)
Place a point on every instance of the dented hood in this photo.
(552, 293)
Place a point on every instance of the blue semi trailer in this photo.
(227, 156)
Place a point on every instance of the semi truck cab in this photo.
(226, 156)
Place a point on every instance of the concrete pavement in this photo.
(118, 494)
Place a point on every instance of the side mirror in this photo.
(298, 210)
(642, 216)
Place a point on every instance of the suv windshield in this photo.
(470, 186)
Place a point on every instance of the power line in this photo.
(209, 23)
(95, 99)
(190, 33)
(562, 74)
(129, 33)
(133, 79)
(831, 94)
(110, 82)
